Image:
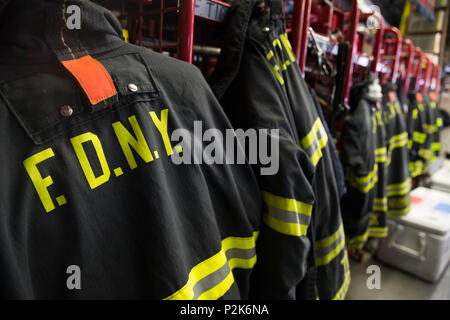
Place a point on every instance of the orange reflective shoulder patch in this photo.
(419, 97)
(391, 96)
(92, 77)
(433, 95)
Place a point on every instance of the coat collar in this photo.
(24, 30)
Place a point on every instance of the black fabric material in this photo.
(138, 234)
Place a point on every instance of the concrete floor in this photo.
(395, 284)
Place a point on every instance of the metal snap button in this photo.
(66, 111)
(266, 29)
(132, 87)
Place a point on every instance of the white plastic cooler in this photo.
(440, 180)
(420, 242)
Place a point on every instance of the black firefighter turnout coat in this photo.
(259, 83)
(424, 124)
(92, 204)
(360, 157)
(398, 183)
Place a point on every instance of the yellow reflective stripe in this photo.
(399, 137)
(429, 128)
(366, 183)
(219, 290)
(381, 151)
(337, 240)
(308, 140)
(315, 141)
(369, 177)
(287, 204)
(426, 154)
(213, 264)
(342, 293)
(287, 228)
(381, 155)
(410, 143)
(415, 113)
(320, 261)
(398, 141)
(358, 241)
(379, 208)
(439, 122)
(381, 159)
(381, 201)
(380, 204)
(399, 192)
(419, 137)
(329, 240)
(436, 146)
(317, 155)
(404, 184)
(376, 232)
(397, 213)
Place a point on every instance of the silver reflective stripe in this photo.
(211, 280)
(219, 275)
(324, 251)
(240, 253)
(289, 216)
(315, 144)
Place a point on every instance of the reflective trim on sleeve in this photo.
(366, 183)
(398, 213)
(377, 232)
(399, 189)
(426, 154)
(357, 243)
(410, 143)
(419, 137)
(416, 168)
(415, 114)
(380, 204)
(213, 277)
(342, 292)
(398, 141)
(315, 141)
(329, 248)
(436, 146)
(381, 155)
(429, 128)
(439, 122)
(287, 216)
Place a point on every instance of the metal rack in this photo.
(391, 58)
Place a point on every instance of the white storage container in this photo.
(420, 242)
(440, 180)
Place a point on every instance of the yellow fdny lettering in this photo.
(277, 43)
(41, 184)
(138, 142)
(161, 125)
(274, 67)
(77, 143)
(287, 46)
